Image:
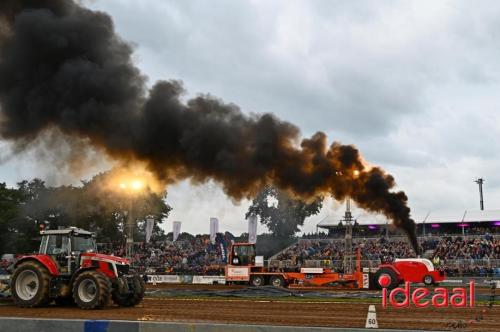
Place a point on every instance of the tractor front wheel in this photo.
(91, 290)
(132, 298)
(30, 285)
(428, 280)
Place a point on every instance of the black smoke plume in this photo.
(63, 66)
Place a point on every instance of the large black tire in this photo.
(277, 281)
(30, 285)
(257, 281)
(91, 290)
(388, 272)
(130, 299)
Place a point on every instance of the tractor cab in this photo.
(242, 254)
(65, 247)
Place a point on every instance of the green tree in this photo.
(94, 206)
(10, 200)
(280, 213)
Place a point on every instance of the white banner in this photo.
(185, 279)
(214, 228)
(252, 229)
(164, 278)
(176, 230)
(209, 280)
(150, 223)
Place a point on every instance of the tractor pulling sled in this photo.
(247, 268)
(68, 270)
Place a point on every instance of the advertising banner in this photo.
(186, 279)
(167, 279)
(209, 280)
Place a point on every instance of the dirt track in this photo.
(274, 313)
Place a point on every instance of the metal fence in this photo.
(472, 263)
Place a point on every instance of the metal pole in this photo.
(480, 182)
(130, 230)
(423, 222)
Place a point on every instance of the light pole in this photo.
(130, 189)
(480, 182)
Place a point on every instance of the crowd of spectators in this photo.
(193, 255)
(456, 255)
(371, 249)
(196, 255)
(483, 247)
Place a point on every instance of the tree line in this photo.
(32, 204)
(25, 209)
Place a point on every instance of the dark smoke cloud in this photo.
(63, 66)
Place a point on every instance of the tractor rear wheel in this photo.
(30, 285)
(133, 298)
(91, 290)
(386, 278)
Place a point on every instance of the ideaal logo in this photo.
(440, 298)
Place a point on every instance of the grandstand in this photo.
(438, 223)
(463, 243)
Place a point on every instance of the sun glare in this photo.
(137, 185)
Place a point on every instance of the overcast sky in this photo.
(414, 84)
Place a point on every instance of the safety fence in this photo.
(488, 263)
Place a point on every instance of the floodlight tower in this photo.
(348, 253)
(480, 182)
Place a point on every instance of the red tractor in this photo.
(68, 269)
(414, 270)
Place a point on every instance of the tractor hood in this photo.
(108, 258)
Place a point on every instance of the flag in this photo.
(150, 223)
(214, 228)
(176, 230)
(252, 229)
